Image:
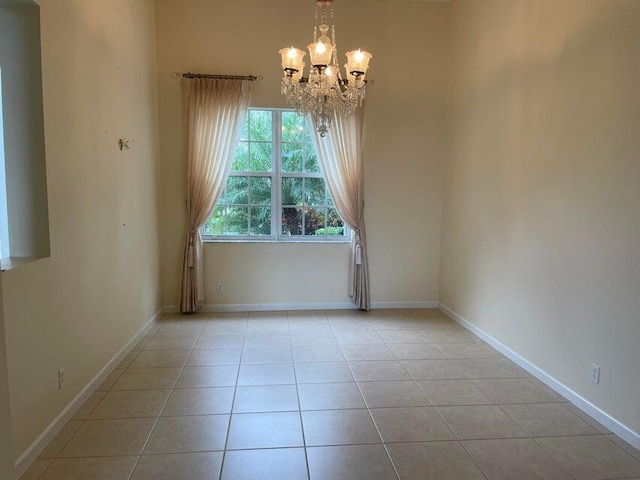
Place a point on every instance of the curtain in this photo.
(215, 111)
(340, 158)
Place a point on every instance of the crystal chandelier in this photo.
(324, 91)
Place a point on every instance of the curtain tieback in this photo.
(358, 249)
(192, 234)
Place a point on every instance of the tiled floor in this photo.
(336, 395)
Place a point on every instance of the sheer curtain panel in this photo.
(340, 158)
(215, 110)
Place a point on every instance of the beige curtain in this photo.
(340, 158)
(215, 110)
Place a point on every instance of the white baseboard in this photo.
(578, 400)
(270, 307)
(31, 453)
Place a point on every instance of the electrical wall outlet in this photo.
(60, 378)
(220, 288)
(595, 373)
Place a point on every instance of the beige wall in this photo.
(6, 433)
(404, 144)
(541, 225)
(79, 307)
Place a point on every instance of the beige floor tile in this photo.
(516, 390)
(510, 459)
(323, 372)
(104, 468)
(224, 327)
(36, 469)
(433, 461)
(587, 418)
(350, 462)
(468, 350)
(402, 336)
(87, 407)
(410, 424)
(449, 335)
(182, 327)
(128, 359)
(416, 351)
(267, 374)
(215, 356)
(313, 338)
(630, 449)
(547, 420)
(147, 378)
(339, 427)
(264, 430)
(489, 368)
(480, 422)
(358, 338)
(102, 438)
(210, 376)
(171, 342)
(367, 352)
(378, 371)
(220, 341)
(110, 381)
(432, 369)
(142, 342)
(58, 442)
(393, 394)
(330, 396)
(267, 339)
(266, 398)
(317, 353)
(161, 358)
(591, 457)
(271, 464)
(453, 392)
(182, 466)
(131, 404)
(188, 434)
(277, 354)
(199, 401)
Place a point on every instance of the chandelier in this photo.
(324, 92)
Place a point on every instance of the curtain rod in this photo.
(252, 78)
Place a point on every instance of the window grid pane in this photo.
(245, 209)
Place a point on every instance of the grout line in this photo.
(295, 377)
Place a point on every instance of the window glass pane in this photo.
(260, 190)
(293, 127)
(260, 125)
(329, 199)
(334, 220)
(314, 191)
(292, 191)
(292, 155)
(311, 161)
(237, 221)
(313, 220)
(237, 191)
(291, 221)
(215, 225)
(260, 221)
(260, 157)
(241, 159)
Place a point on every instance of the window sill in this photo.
(273, 241)
(11, 263)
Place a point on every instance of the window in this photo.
(275, 190)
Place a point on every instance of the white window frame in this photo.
(276, 176)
